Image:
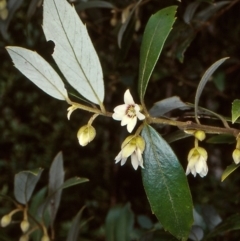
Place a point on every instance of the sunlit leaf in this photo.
(56, 178)
(155, 34)
(74, 52)
(230, 224)
(74, 229)
(235, 110)
(119, 223)
(230, 169)
(24, 184)
(39, 71)
(166, 105)
(166, 185)
(204, 80)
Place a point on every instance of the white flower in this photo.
(128, 112)
(132, 146)
(197, 162)
(236, 156)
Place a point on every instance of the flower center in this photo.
(130, 112)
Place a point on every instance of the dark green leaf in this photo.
(119, 223)
(155, 34)
(230, 169)
(203, 82)
(190, 10)
(235, 110)
(74, 230)
(166, 185)
(221, 139)
(175, 136)
(74, 181)
(56, 178)
(93, 4)
(231, 223)
(166, 105)
(125, 24)
(24, 184)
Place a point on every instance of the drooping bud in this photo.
(24, 226)
(6, 220)
(24, 238)
(86, 134)
(45, 238)
(200, 135)
(236, 156)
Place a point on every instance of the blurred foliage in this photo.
(34, 126)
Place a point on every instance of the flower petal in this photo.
(117, 116)
(139, 156)
(125, 120)
(121, 109)
(134, 161)
(123, 161)
(140, 116)
(128, 150)
(118, 157)
(128, 99)
(131, 124)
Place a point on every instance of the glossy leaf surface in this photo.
(155, 35)
(24, 184)
(166, 185)
(39, 71)
(73, 52)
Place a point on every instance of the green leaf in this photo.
(203, 82)
(125, 24)
(39, 71)
(119, 223)
(230, 224)
(164, 106)
(221, 139)
(24, 184)
(74, 230)
(155, 34)
(56, 179)
(73, 52)
(74, 181)
(176, 136)
(230, 169)
(235, 110)
(166, 185)
(190, 11)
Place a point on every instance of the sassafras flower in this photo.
(132, 146)
(197, 162)
(86, 134)
(128, 112)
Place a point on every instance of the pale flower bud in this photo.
(200, 135)
(45, 238)
(197, 162)
(137, 25)
(6, 220)
(3, 4)
(86, 134)
(4, 14)
(24, 226)
(236, 156)
(24, 238)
